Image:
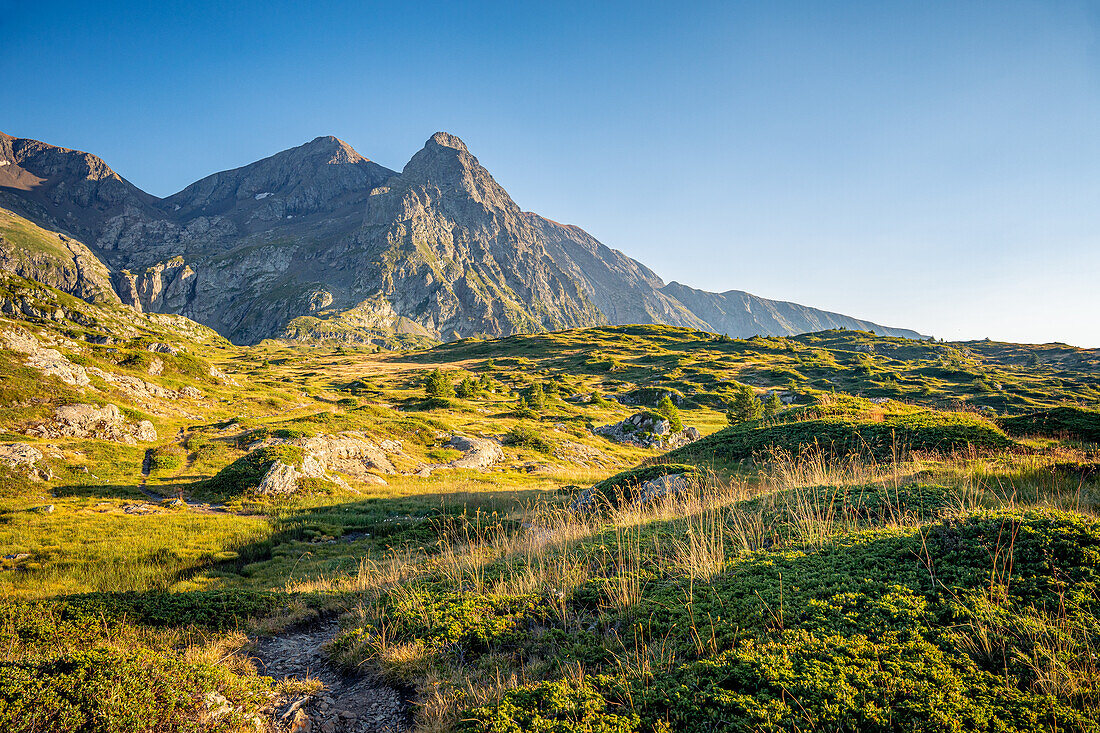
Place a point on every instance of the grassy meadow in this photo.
(911, 541)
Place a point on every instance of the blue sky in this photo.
(928, 165)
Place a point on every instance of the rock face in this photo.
(53, 259)
(319, 242)
(647, 430)
(89, 421)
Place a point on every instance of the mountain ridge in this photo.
(319, 231)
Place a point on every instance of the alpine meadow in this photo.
(315, 445)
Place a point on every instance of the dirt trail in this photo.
(346, 704)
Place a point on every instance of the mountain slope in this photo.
(740, 315)
(319, 242)
(53, 259)
(65, 190)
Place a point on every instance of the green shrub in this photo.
(556, 707)
(167, 458)
(104, 689)
(438, 385)
(669, 411)
(536, 397)
(1076, 423)
(467, 389)
(524, 436)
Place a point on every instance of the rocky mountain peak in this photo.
(315, 176)
(445, 167)
(64, 189)
(447, 140)
(329, 150)
(317, 241)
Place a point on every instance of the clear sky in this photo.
(931, 165)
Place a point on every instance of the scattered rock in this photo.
(579, 453)
(140, 389)
(47, 509)
(89, 421)
(156, 367)
(159, 348)
(140, 509)
(344, 704)
(221, 377)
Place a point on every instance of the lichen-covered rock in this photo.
(89, 421)
(349, 453)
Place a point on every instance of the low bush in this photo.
(1076, 423)
(849, 427)
(524, 436)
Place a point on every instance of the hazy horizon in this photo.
(931, 167)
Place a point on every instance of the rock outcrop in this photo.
(670, 485)
(49, 361)
(89, 421)
(477, 454)
(25, 458)
(282, 479)
(647, 430)
(353, 455)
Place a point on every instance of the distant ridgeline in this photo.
(318, 242)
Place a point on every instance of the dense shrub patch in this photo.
(849, 427)
(1075, 423)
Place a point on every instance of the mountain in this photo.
(740, 314)
(320, 242)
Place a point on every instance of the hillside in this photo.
(319, 243)
(556, 531)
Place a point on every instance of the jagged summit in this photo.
(319, 241)
(447, 140)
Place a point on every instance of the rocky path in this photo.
(345, 704)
